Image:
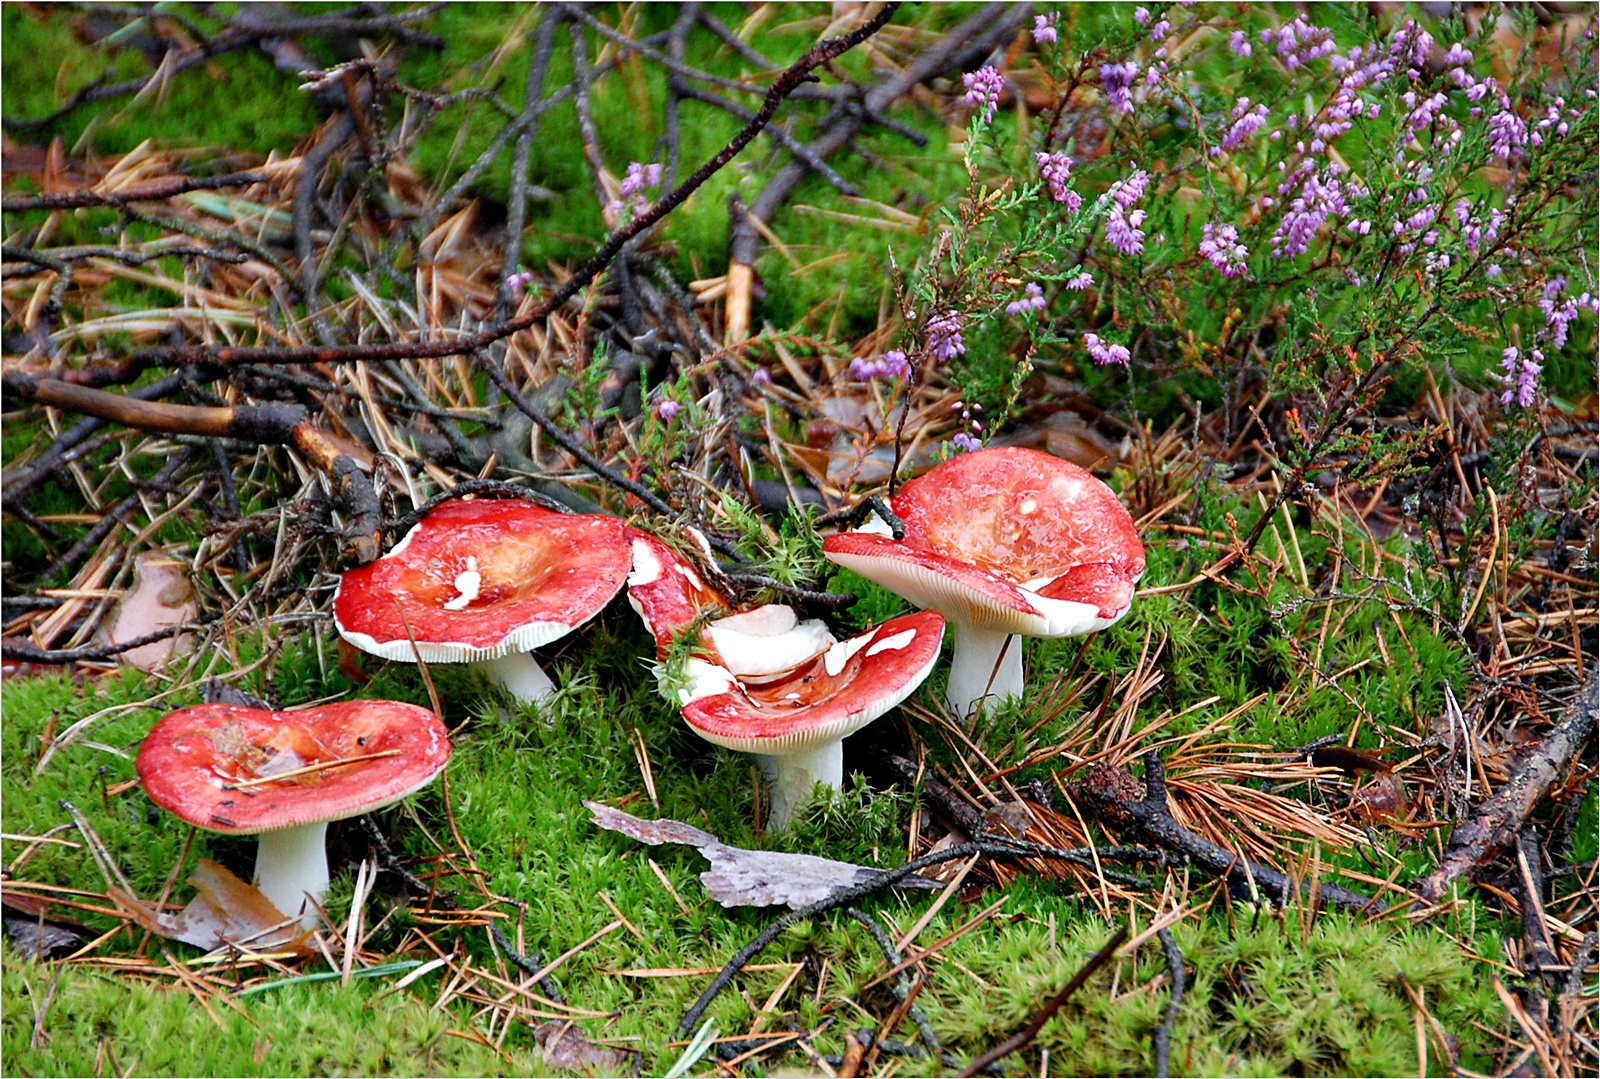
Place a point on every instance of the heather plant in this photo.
(1214, 201)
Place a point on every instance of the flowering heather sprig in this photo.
(965, 443)
(1321, 196)
(1508, 132)
(1558, 311)
(1105, 352)
(1032, 300)
(1521, 376)
(1246, 121)
(667, 410)
(1122, 222)
(944, 337)
(1079, 281)
(1044, 28)
(1160, 30)
(1473, 234)
(1056, 170)
(761, 377)
(519, 281)
(1423, 110)
(983, 90)
(1239, 42)
(639, 177)
(1116, 82)
(891, 364)
(1299, 42)
(1410, 45)
(1220, 245)
(1141, 14)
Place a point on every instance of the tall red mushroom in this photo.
(764, 682)
(285, 775)
(485, 582)
(1002, 542)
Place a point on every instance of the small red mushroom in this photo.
(485, 582)
(1005, 541)
(764, 682)
(285, 775)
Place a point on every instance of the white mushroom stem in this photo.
(292, 863)
(792, 776)
(520, 675)
(983, 665)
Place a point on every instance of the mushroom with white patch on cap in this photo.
(1003, 542)
(485, 582)
(763, 681)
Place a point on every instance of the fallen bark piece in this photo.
(748, 878)
(1500, 818)
(224, 910)
(563, 1047)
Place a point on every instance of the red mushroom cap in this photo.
(205, 764)
(667, 591)
(482, 579)
(1006, 538)
(831, 697)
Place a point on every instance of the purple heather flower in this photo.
(1299, 42)
(667, 410)
(965, 443)
(639, 177)
(1105, 352)
(519, 281)
(1221, 246)
(1557, 311)
(1056, 170)
(944, 336)
(1079, 281)
(761, 377)
(1160, 30)
(1044, 28)
(1141, 15)
(1457, 56)
(1122, 222)
(891, 364)
(1320, 196)
(1239, 42)
(983, 90)
(1492, 270)
(1521, 376)
(1116, 82)
(1245, 122)
(1032, 300)
(1508, 134)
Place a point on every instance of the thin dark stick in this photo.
(27, 653)
(1024, 1037)
(1163, 1036)
(110, 522)
(149, 191)
(902, 981)
(521, 156)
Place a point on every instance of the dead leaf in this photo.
(34, 933)
(225, 910)
(160, 599)
(748, 878)
(564, 1048)
(1380, 801)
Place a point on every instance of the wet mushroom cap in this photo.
(828, 698)
(204, 764)
(482, 579)
(991, 535)
(667, 591)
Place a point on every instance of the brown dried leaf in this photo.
(161, 598)
(564, 1048)
(225, 910)
(748, 878)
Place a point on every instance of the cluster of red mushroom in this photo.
(998, 543)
